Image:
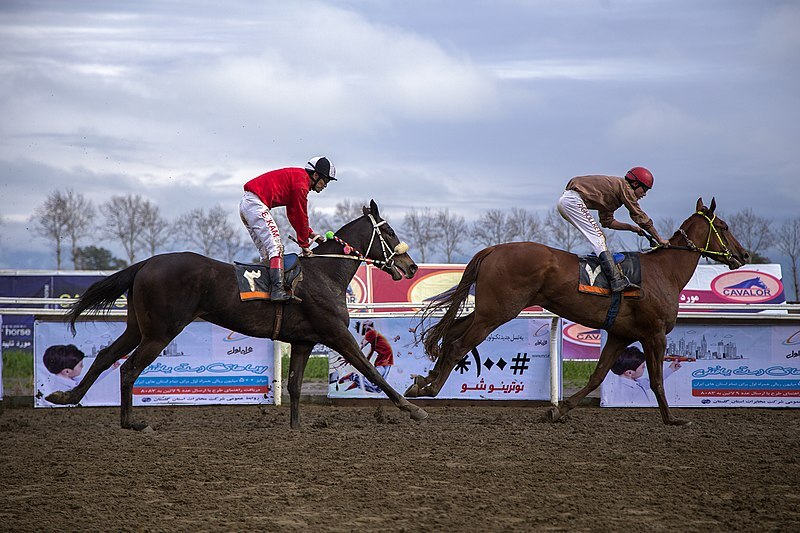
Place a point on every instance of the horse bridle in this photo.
(705, 252)
(351, 252)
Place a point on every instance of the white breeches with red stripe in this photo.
(574, 211)
(262, 227)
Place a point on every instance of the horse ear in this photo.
(700, 205)
(713, 205)
(373, 207)
(365, 210)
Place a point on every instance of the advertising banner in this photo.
(17, 334)
(750, 284)
(204, 364)
(513, 363)
(712, 365)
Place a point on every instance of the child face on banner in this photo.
(73, 372)
(635, 374)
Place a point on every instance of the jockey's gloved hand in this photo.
(316, 237)
(307, 252)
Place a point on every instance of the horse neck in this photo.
(683, 262)
(344, 269)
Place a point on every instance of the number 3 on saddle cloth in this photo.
(253, 279)
(591, 279)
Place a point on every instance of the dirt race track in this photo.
(370, 468)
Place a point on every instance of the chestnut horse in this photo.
(511, 277)
(167, 292)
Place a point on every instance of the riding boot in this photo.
(277, 291)
(618, 281)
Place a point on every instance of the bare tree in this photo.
(423, 231)
(753, 232)
(232, 245)
(123, 222)
(562, 234)
(154, 228)
(347, 210)
(207, 230)
(666, 226)
(320, 221)
(453, 230)
(80, 220)
(493, 227)
(787, 240)
(50, 220)
(526, 225)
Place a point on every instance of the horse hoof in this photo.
(419, 414)
(554, 415)
(59, 398)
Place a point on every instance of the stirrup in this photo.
(279, 295)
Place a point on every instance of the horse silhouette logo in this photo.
(749, 284)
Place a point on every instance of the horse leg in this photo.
(349, 349)
(462, 340)
(297, 367)
(105, 358)
(654, 349)
(613, 347)
(422, 385)
(145, 353)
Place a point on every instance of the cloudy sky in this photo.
(469, 105)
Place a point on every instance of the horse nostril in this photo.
(746, 256)
(413, 269)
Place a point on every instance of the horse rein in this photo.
(350, 252)
(726, 253)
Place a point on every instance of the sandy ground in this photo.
(371, 468)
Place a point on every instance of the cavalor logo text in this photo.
(582, 335)
(747, 286)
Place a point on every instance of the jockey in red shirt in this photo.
(287, 187)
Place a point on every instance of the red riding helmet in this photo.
(642, 175)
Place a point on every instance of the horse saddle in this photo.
(253, 279)
(591, 279)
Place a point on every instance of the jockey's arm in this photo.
(622, 226)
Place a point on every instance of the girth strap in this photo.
(613, 310)
(278, 320)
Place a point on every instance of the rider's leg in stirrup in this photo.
(618, 281)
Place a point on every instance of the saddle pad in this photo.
(591, 279)
(253, 279)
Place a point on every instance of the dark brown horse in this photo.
(510, 277)
(167, 292)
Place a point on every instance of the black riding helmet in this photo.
(323, 167)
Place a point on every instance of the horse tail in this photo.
(433, 336)
(103, 294)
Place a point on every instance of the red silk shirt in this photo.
(286, 187)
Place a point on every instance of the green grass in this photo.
(576, 373)
(17, 373)
(316, 369)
